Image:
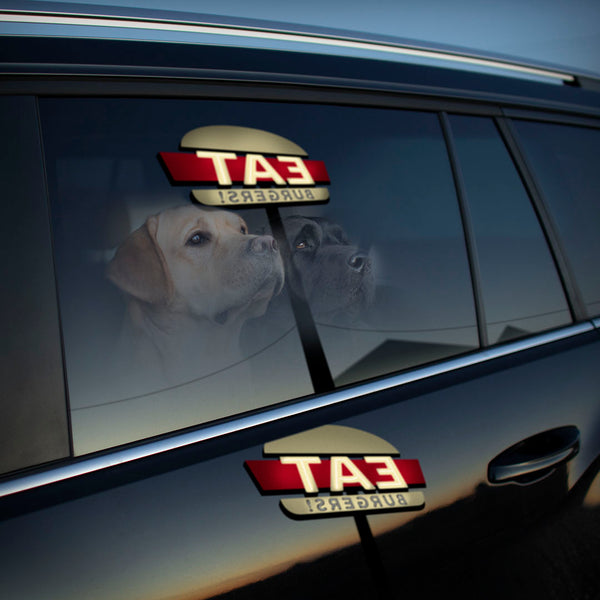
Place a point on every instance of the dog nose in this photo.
(358, 261)
(263, 244)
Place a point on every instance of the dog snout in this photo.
(358, 261)
(263, 244)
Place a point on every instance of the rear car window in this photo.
(394, 203)
(157, 333)
(521, 291)
(565, 161)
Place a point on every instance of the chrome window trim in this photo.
(153, 448)
(363, 43)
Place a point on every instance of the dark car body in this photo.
(416, 412)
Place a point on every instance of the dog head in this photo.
(199, 261)
(336, 275)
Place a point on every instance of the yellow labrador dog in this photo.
(193, 276)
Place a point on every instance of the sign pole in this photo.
(372, 555)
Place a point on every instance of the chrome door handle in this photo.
(535, 457)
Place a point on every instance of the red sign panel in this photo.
(185, 167)
(273, 476)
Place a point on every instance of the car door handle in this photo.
(535, 457)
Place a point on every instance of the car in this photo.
(290, 313)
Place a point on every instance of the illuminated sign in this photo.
(240, 166)
(340, 471)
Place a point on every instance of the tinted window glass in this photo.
(152, 344)
(520, 286)
(565, 160)
(157, 293)
(383, 264)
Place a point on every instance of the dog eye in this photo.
(301, 245)
(244, 230)
(198, 239)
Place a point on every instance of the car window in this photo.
(565, 160)
(153, 343)
(155, 300)
(384, 264)
(521, 289)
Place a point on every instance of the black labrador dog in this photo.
(336, 275)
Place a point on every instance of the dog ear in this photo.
(139, 268)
